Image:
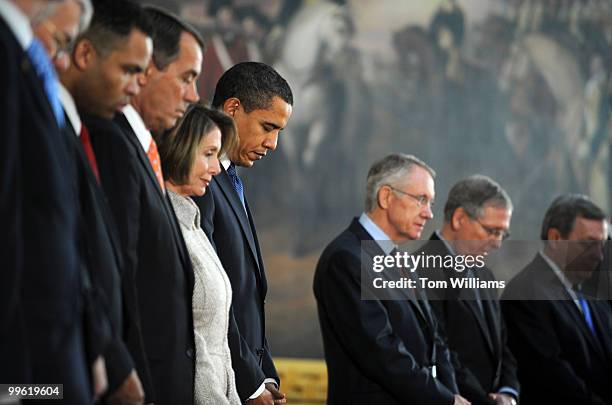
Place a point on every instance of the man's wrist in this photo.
(510, 397)
(259, 391)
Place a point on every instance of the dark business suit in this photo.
(157, 272)
(477, 338)
(40, 284)
(100, 248)
(377, 351)
(559, 358)
(233, 233)
(600, 283)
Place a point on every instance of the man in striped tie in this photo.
(562, 340)
(260, 102)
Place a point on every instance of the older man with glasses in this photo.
(41, 332)
(476, 220)
(382, 349)
(58, 26)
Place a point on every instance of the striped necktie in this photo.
(46, 72)
(154, 159)
(236, 182)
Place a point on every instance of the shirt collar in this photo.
(225, 162)
(448, 245)
(379, 236)
(17, 22)
(70, 108)
(568, 286)
(138, 126)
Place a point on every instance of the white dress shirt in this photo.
(70, 108)
(379, 236)
(17, 22)
(138, 126)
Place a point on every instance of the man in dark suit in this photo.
(562, 340)
(156, 262)
(41, 335)
(117, 44)
(260, 102)
(381, 348)
(476, 219)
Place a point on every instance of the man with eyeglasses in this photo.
(380, 350)
(58, 26)
(561, 337)
(477, 216)
(41, 334)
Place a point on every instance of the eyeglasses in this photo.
(421, 200)
(63, 40)
(495, 232)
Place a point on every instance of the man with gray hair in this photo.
(41, 334)
(59, 25)
(406, 362)
(477, 216)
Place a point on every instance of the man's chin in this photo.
(169, 124)
(244, 163)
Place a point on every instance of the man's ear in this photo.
(84, 54)
(144, 77)
(383, 196)
(231, 105)
(553, 234)
(458, 218)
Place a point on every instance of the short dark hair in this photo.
(112, 22)
(472, 194)
(564, 210)
(179, 146)
(166, 30)
(255, 84)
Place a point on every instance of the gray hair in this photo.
(473, 194)
(86, 15)
(388, 171)
(49, 10)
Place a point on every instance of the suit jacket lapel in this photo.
(571, 307)
(373, 249)
(469, 297)
(225, 185)
(480, 317)
(490, 306)
(142, 156)
(144, 161)
(262, 273)
(602, 328)
(567, 303)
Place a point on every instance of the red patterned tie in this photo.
(86, 142)
(153, 156)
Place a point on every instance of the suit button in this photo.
(189, 353)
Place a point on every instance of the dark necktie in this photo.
(46, 73)
(89, 152)
(236, 182)
(470, 274)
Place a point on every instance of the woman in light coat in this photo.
(190, 158)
